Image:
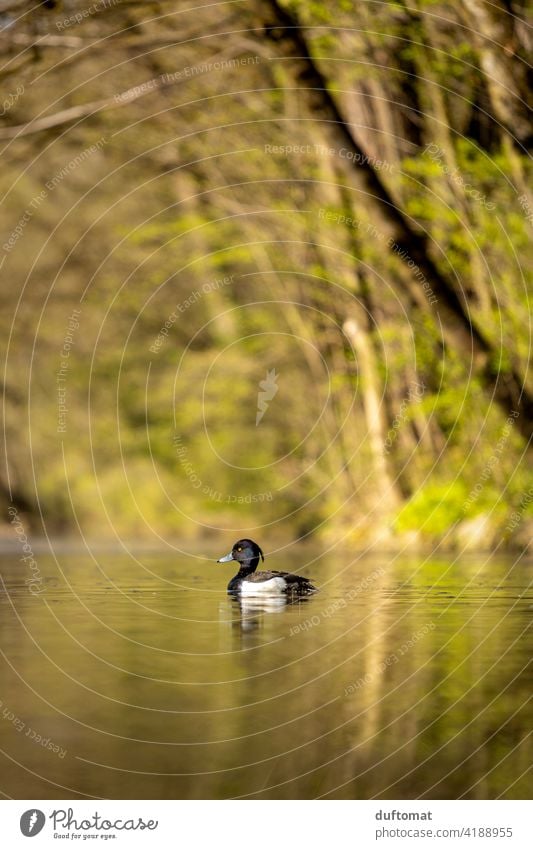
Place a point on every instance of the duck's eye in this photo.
(239, 548)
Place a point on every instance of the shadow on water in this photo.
(141, 678)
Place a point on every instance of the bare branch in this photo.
(67, 116)
(48, 40)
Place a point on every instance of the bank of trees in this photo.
(339, 195)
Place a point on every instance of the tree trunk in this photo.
(505, 72)
(373, 407)
(506, 387)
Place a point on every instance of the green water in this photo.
(135, 676)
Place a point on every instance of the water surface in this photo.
(135, 676)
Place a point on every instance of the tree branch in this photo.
(124, 98)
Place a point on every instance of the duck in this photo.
(248, 582)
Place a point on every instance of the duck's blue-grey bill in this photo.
(227, 558)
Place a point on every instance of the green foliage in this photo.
(434, 509)
(184, 194)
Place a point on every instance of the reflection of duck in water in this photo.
(251, 584)
(251, 608)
